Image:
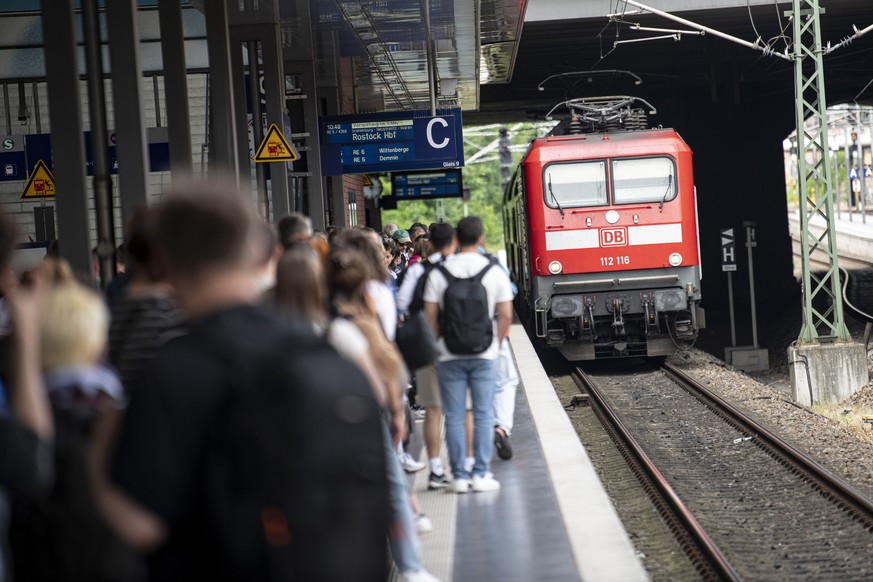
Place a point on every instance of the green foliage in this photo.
(486, 195)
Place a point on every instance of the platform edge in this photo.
(601, 547)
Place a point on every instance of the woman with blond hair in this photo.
(67, 525)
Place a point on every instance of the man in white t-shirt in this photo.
(477, 371)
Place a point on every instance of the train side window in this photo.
(575, 184)
(637, 180)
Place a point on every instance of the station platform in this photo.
(854, 239)
(551, 519)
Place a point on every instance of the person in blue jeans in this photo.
(478, 371)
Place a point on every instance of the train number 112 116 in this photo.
(613, 261)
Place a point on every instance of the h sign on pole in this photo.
(729, 265)
(728, 250)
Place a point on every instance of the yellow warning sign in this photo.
(368, 181)
(41, 183)
(275, 148)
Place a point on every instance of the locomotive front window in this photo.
(575, 184)
(640, 180)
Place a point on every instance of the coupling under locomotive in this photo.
(600, 221)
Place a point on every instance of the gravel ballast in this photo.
(838, 445)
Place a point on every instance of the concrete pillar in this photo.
(826, 373)
(175, 87)
(133, 165)
(65, 113)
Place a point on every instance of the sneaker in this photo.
(459, 486)
(487, 482)
(423, 524)
(418, 413)
(501, 443)
(421, 575)
(437, 481)
(409, 464)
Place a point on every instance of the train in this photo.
(601, 231)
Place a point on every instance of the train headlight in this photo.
(555, 268)
(675, 259)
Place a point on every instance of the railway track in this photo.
(744, 504)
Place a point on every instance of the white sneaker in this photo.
(423, 523)
(484, 483)
(459, 486)
(409, 464)
(419, 576)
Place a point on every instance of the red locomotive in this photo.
(600, 221)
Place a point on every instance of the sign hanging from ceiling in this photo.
(390, 142)
(427, 184)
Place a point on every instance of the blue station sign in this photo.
(390, 142)
(20, 153)
(427, 184)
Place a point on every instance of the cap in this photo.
(402, 236)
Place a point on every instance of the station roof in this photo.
(380, 45)
(385, 40)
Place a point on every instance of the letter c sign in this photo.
(430, 140)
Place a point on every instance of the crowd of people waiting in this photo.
(236, 408)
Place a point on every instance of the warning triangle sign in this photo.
(368, 181)
(41, 183)
(275, 148)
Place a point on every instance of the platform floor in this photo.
(551, 519)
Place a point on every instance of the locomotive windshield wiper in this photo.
(555, 198)
(666, 193)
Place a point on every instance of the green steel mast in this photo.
(822, 322)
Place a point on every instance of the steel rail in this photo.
(716, 562)
(847, 497)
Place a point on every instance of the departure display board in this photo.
(427, 184)
(389, 142)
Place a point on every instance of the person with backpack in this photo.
(250, 449)
(468, 303)
(410, 301)
(63, 536)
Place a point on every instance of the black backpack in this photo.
(466, 324)
(297, 486)
(414, 336)
(63, 538)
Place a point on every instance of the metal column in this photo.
(175, 87)
(224, 134)
(847, 161)
(835, 154)
(133, 169)
(336, 192)
(239, 98)
(257, 122)
(65, 114)
(99, 142)
(812, 146)
(300, 59)
(274, 87)
(861, 178)
(311, 114)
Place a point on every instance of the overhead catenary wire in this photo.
(757, 45)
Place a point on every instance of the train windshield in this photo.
(575, 184)
(643, 180)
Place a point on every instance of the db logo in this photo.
(613, 237)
